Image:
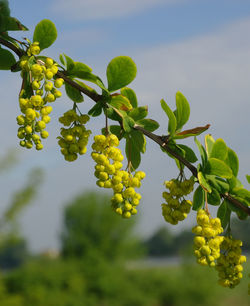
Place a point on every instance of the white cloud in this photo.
(100, 9)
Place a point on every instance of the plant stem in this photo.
(9, 45)
(161, 140)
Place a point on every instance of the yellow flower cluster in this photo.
(108, 160)
(176, 207)
(229, 264)
(33, 102)
(207, 241)
(74, 139)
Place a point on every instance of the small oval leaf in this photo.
(120, 72)
(45, 33)
(204, 184)
(172, 120)
(198, 198)
(218, 167)
(148, 124)
(209, 142)
(233, 161)
(73, 93)
(120, 102)
(130, 94)
(132, 153)
(189, 153)
(7, 59)
(182, 110)
(213, 198)
(224, 214)
(139, 113)
(138, 140)
(219, 149)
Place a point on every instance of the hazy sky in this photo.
(200, 47)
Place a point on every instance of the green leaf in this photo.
(114, 129)
(130, 94)
(62, 60)
(172, 120)
(182, 110)
(138, 140)
(240, 213)
(233, 161)
(213, 198)
(120, 72)
(209, 142)
(189, 153)
(127, 123)
(224, 213)
(148, 124)
(139, 113)
(198, 198)
(241, 192)
(203, 152)
(219, 150)
(203, 182)
(4, 8)
(90, 89)
(87, 76)
(175, 148)
(70, 64)
(218, 183)
(7, 59)
(132, 153)
(78, 66)
(112, 114)
(234, 182)
(45, 33)
(11, 24)
(73, 93)
(218, 167)
(96, 110)
(120, 102)
(248, 178)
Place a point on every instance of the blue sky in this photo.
(199, 47)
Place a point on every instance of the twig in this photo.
(92, 95)
(9, 45)
(161, 140)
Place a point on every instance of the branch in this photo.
(236, 203)
(92, 95)
(162, 141)
(9, 45)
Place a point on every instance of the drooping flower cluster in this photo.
(229, 264)
(176, 207)
(38, 91)
(108, 171)
(207, 241)
(74, 139)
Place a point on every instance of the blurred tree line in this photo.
(91, 267)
